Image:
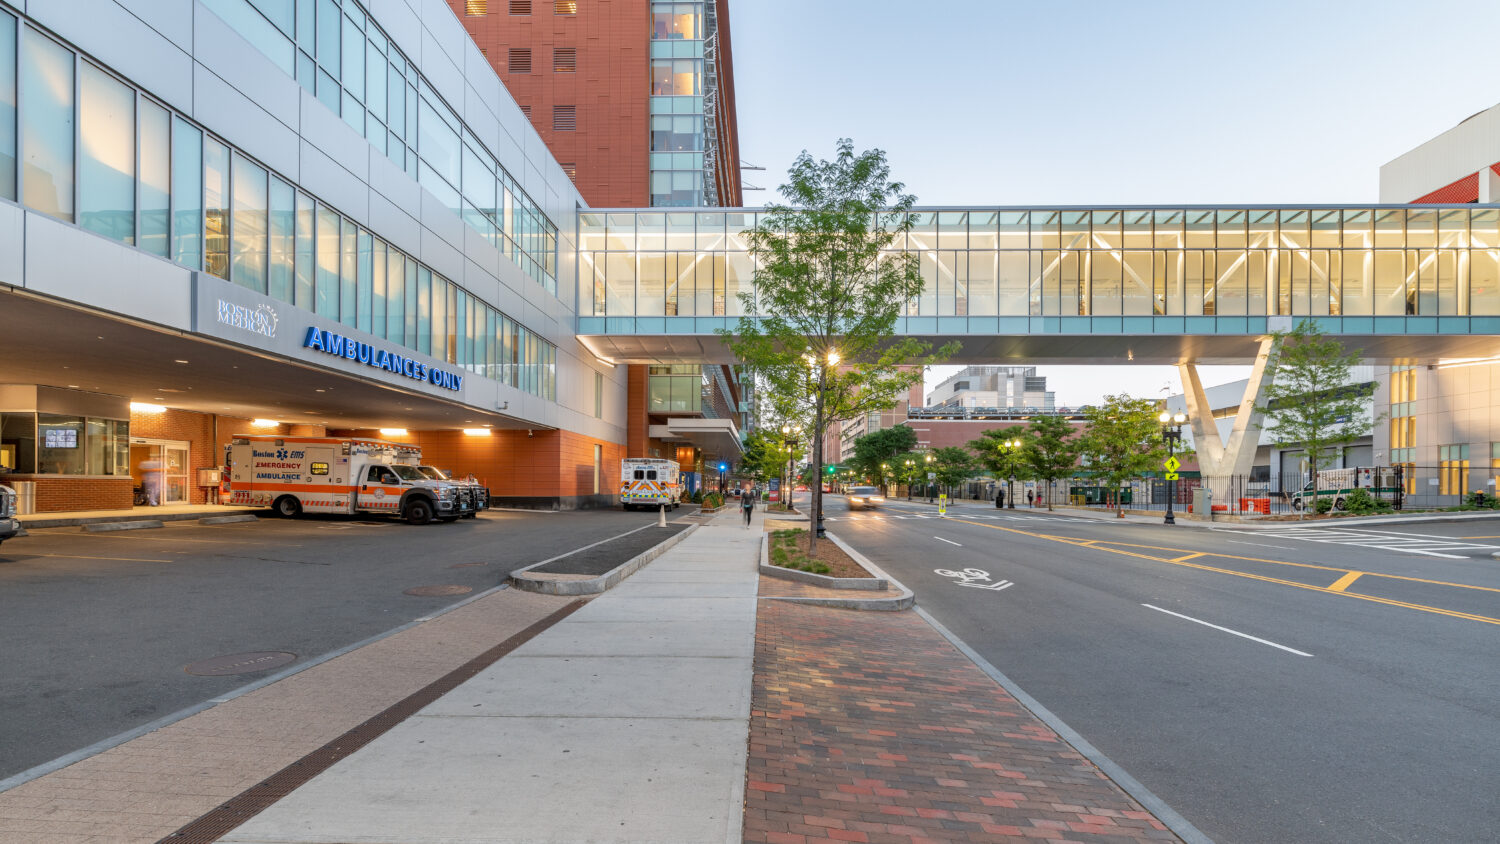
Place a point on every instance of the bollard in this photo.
(661, 516)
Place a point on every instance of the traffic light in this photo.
(830, 470)
(723, 467)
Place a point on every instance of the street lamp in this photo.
(1171, 431)
(1008, 454)
(910, 476)
(885, 469)
(790, 435)
(928, 460)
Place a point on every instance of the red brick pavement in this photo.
(872, 727)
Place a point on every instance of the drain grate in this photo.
(438, 591)
(221, 666)
(255, 799)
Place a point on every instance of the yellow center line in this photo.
(1183, 561)
(1343, 583)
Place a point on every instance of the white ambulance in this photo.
(650, 482)
(294, 475)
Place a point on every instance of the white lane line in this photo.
(1261, 545)
(949, 541)
(1419, 551)
(1227, 630)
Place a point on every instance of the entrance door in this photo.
(160, 470)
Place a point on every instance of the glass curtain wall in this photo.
(677, 103)
(338, 53)
(1353, 262)
(147, 177)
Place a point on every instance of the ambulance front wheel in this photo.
(418, 511)
(287, 506)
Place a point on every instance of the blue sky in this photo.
(1071, 102)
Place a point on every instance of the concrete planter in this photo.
(906, 600)
(594, 585)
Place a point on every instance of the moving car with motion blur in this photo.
(861, 497)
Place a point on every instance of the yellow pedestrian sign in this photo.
(1171, 476)
(942, 504)
(1172, 465)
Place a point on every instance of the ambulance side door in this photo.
(379, 491)
(320, 496)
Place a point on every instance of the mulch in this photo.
(839, 563)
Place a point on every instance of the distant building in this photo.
(1016, 387)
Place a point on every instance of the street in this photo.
(1302, 684)
(102, 625)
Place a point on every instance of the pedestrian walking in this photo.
(999, 497)
(1030, 498)
(747, 506)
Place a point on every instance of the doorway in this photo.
(160, 470)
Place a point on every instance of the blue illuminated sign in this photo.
(350, 349)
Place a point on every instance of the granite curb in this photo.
(595, 585)
(137, 524)
(42, 521)
(905, 601)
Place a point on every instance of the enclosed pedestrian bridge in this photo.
(1167, 285)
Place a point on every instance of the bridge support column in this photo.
(1217, 460)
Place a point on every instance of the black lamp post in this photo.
(790, 434)
(1011, 447)
(1171, 431)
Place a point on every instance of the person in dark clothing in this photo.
(747, 506)
(1030, 498)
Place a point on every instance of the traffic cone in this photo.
(661, 516)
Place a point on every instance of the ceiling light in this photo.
(263, 423)
(477, 432)
(143, 407)
(393, 432)
(72, 386)
(320, 391)
(182, 361)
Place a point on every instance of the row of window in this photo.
(480, 8)
(1191, 282)
(564, 60)
(337, 52)
(677, 104)
(43, 443)
(140, 174)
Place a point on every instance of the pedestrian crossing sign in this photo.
(1171, 476)
(1172, 464)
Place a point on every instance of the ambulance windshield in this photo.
(408, 473)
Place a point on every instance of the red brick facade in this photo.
(609, 89)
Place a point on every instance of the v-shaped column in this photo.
(1219, 461)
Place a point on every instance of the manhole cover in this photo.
(438, 591)
(219, 666)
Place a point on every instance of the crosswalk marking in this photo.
(1408, 543)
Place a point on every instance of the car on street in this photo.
(862, 497)
(9, 526)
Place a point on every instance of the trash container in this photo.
(25, 497)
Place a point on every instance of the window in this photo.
(216, 208)
(7, 106)
(571, 170)
(598, 395)
(106, 161)
(526, 111)
(187, 193)
(565, 7)
(520, 60)
(564, 118)
(47, 125)
(598, 465)
(248, 249)
(564, 59)
(156, 176)
(476, 8)
(520, 7)
(1453, 472)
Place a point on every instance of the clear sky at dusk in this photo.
(1067, 102)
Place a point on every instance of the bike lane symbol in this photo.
(974, 579)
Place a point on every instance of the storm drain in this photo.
(438, 591)
(255, 799)
(222, 666)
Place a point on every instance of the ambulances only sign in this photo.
(345, 347)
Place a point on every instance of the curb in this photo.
(102, 527)
(871, 584)
(595, 585)
(228, 520)
(35, 521)
(905, 601)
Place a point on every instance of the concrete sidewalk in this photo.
(628, 720)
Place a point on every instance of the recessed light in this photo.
(182, 361)
(72, 386)
(320, 391)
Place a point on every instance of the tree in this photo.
(952, 465)
(994, 455)
(876, 449)
(1052, 450)
(1310, 400)
(818, 326)
(1122, 440)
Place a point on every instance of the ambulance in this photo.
(650, 482)
(295, 475)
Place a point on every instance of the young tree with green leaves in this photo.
(818, 326)
(1122, 441)
(1052, 450)
(876, 449)
(1310, 398)
(953, 465)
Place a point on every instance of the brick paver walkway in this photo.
(872, 727)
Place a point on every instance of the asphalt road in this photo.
(1365, 709)
(98, 628)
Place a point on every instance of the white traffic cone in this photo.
(661, 516)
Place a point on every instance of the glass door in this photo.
(175, 459)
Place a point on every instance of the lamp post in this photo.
(928, 460)
(885, 469)
(910, 476)
(1008, 454)
(790, 435)
(1171, 431)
